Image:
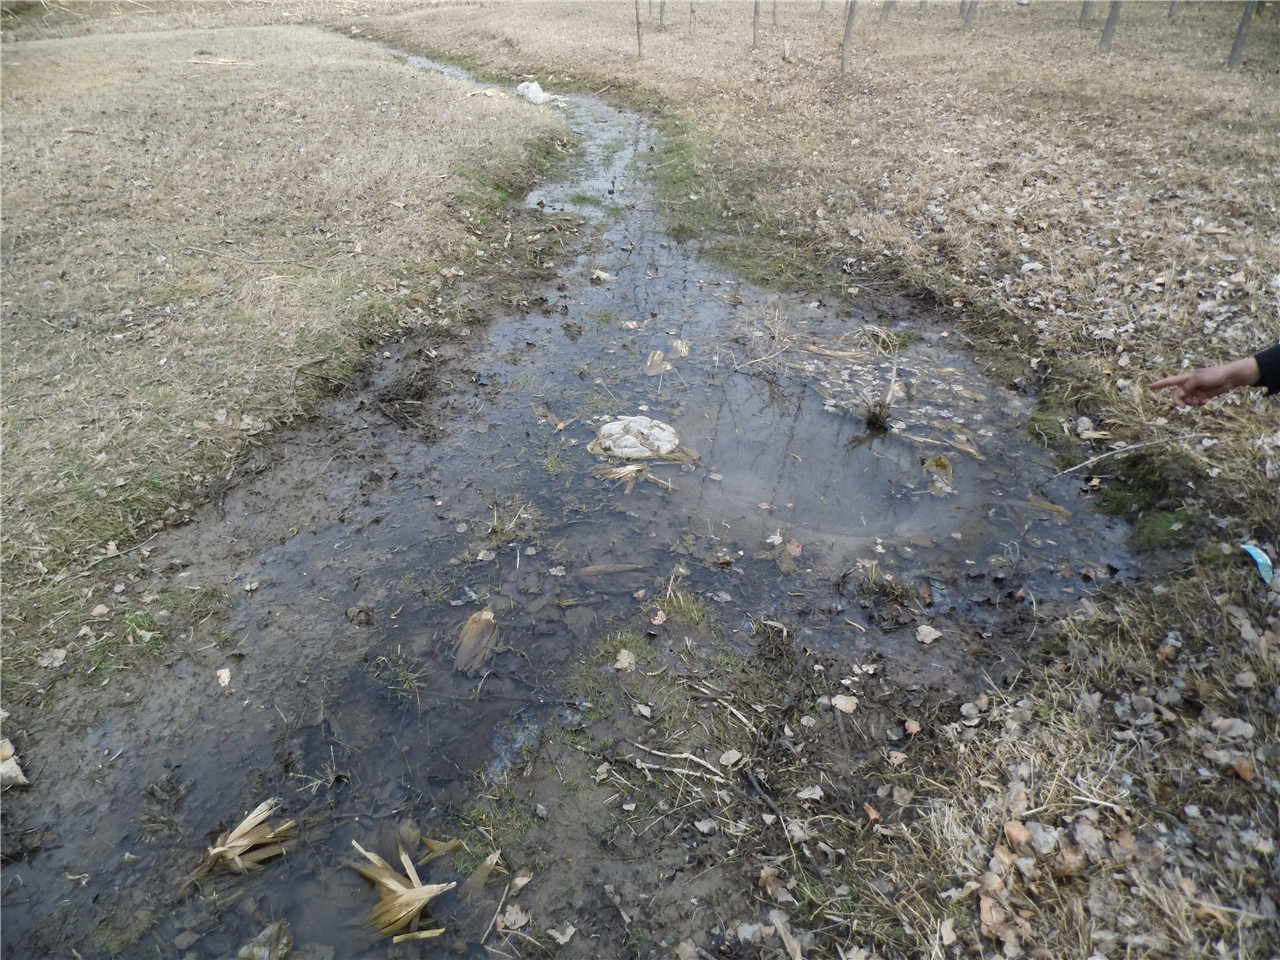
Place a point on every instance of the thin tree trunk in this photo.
(1086, 11)
(970, 14)
(848, 35)
(1173, 8)
(639, 45)
(662, 14)
(1109, 31)
(693, 16)
(886, 9)
(1242, 34)
(755, 26)
(775, 12)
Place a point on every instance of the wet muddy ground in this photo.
(453, 476)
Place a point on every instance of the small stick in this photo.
(494, 919)
(676, 756)
(1122, 451)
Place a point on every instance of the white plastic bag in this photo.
(635, 438)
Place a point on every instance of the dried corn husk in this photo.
(479, 635)
(479, 876)
(403, 897)
(246, 847)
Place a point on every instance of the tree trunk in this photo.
(1242, 34)
(848, 36)
(886, 9)
(639, 46)
(970, 14)
(693, 16)
(775, 12)
(755, 26)
(1086, 11)
(1173, 8)
(1109, 31)
(662, 14)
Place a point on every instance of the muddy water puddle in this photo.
(365, 543)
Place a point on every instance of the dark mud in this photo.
(452, 476)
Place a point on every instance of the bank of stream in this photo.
(453, 476)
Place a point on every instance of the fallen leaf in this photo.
(562, 936)
(794, 548)
(810, 793)
(1016, 833)
(927, 634)
(101, 610)
(897, 758)
(53, 658)
(730, 757)
(513, 918)
(872, 813)
(658, 619)
(947, 931)
(912, 727)
(940, 468)
(844, 702)
(626, 661)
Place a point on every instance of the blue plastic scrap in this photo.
(1261, 559)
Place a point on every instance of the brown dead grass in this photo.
(202, 228)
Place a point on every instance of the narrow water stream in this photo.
(341, 693)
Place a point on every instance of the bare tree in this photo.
(1242, 34)
(775, 12)
(1086, 11)
(639, 46)
(693, 16)
(755, 26)
(662, 14)
(1173, 8)
(1109, 31)
(851, 12)
(887, 8)
(970, 13)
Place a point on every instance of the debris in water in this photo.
(479, 876)
(479, 635)
(532, 91)
(403, 897)
(943, 482)
(680, 348)
(273, 943)
(244, 848)
(657, 364)
(635, 438)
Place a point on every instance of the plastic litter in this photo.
(533, 92)
(1262, 560)
(635, 438)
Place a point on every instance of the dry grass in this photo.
(201, 227)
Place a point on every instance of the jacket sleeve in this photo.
(1269, 364)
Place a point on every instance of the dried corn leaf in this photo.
(247, 846)
(475, 883)
(403, 897)
(475, 646)
(438, 848)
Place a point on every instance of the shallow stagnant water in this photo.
(360, 550)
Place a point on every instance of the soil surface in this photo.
(452, 475)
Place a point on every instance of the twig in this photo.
(1123, 450)
(676, 756)
(494, 919)
(249, 259)
(683, 771)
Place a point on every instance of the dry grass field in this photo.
(201, 231)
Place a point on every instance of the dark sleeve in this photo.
(1269, 364)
